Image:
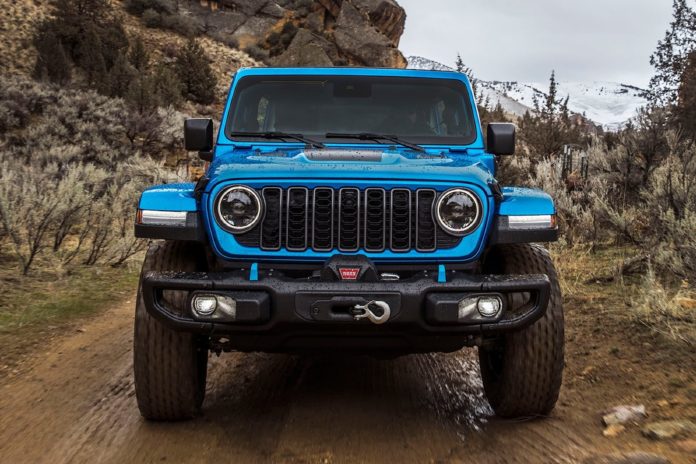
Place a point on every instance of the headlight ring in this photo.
(238, 209)
(458, 211)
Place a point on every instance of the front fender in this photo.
(183, 221)
(524, 215)
(169, 197)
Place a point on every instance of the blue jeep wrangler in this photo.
(353, 210)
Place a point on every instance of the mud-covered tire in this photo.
(522, 371)
(170, 367)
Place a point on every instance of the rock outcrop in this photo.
(309, 33)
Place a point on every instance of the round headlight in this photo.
(238, 208)
(458, 211)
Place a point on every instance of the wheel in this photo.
(170, 367)
(522, 371)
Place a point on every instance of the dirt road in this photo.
(75, 403)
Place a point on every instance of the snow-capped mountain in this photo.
(609, 104)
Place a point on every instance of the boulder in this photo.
(386, 15)
(306, 49)
(338, 32)
(248, 7)
(362, 43)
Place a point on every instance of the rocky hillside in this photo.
(307, 33)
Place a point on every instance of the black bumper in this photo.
(276, 313)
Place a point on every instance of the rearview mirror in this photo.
(198, 136)
(500, 138)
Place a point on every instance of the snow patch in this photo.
(609, 104)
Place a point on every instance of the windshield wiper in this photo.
(375, 137)
(279, 135)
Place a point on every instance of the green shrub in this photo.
(138, 7)
(256, 52)
(195, 74)
(152, 19)
(73, 166)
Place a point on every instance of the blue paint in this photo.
(470, 247)
(254, 272)
(232, 164)
(287, 164)
(169, 197)
(441, 274)
(519, 201)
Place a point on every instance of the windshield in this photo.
(422, 111)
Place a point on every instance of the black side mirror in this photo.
(501, 138)
(198, 136)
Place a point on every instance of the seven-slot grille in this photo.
(348, 219)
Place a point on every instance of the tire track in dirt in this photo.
(76, 404)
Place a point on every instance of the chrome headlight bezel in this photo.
(253, 194)
(477, 205)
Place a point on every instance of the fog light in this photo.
(227, 306)
(489, 306)
(204, 305)
(467, 307)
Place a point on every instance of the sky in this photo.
(582, 40)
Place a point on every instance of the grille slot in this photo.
(270, 227)
(296, 222)
(348, 219)
(375, 223)
(400, 219)
(323, 219)
(426, 236)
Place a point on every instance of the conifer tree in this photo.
(52, 62)
(121, 76)
(166, 85)
(139, 57)
(464, 69)
(548, 128)
(91, 59)
(194, 72)
(670, 57)
(685, 110)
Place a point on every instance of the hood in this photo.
(351, 163)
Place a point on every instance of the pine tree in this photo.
(194, 72)
(552, 96)
(167, 86)
(670, 57)
(459, 64)
(464, 69)
(139, 57)
(685, 110)
(120, 77)
(91, 59)
(548, 127)
(52, 62)
(141, 94)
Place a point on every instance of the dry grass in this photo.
(50, 298)
(593, 277)
(666, 311)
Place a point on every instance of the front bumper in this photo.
(282, 314)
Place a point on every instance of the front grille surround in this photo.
(348, 219)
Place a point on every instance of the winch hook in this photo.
(366, 311)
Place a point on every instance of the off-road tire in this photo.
(170, 367)
(522, 371)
